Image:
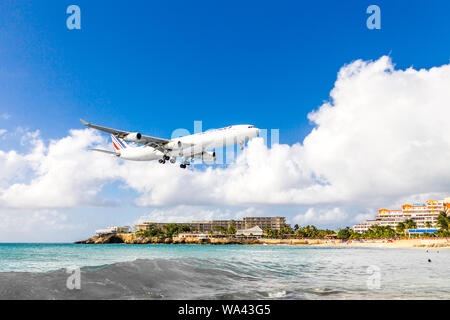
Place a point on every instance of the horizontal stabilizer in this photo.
(105, 151)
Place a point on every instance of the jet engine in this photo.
(208, 157)
(133, 137)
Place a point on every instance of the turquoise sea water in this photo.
(121, 271)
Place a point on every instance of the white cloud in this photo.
(32, 225)
(381, 139)
(60, 174)
(321, 216)
(5, 116)
(383, 136)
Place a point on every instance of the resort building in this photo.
(423, 214)
(274, 223)
(363, 227)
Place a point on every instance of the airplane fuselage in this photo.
(193, 145)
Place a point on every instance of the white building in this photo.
(255, 232)
(423, 214)
(363, 227)
(115, 229)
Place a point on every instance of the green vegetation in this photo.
(220, 229)
(313, 232)
(303, 232)
(410, 224)
(231, 228)
(400, 228)
(443, 221)
(167, 231)
(345, 233)
(377, 232)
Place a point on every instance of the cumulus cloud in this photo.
(382, 136)
(61, 174)
(380, 139)
(185, 213)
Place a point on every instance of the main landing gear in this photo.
(183, 165)
(163, 160)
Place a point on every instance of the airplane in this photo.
(195, 146)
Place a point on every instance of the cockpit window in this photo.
(251, 126)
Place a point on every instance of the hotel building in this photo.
(423, 214)
(275, 223)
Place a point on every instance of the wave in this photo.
(150, 279)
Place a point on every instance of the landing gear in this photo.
(166, 157)
(183, 165)
(162, 161)
(173, 160)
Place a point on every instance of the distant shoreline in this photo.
(442, 243)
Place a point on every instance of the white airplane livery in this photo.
(188, 148)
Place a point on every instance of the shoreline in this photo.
(429, 243)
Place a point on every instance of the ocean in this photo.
(158, 271)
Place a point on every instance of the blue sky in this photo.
(154, 66)
(159, 65)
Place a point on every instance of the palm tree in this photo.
(231, 227)
(400, 228)
(443, 221)
(410, 224)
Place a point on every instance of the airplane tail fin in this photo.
(118, 143)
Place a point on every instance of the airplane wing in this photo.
(148, 140)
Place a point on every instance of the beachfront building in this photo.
(214, 225)
(423, 214)
(363, 227)
(250, 232)
(274, 223)
(150, 225)
(112, 230)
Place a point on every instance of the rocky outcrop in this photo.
(133, 239)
